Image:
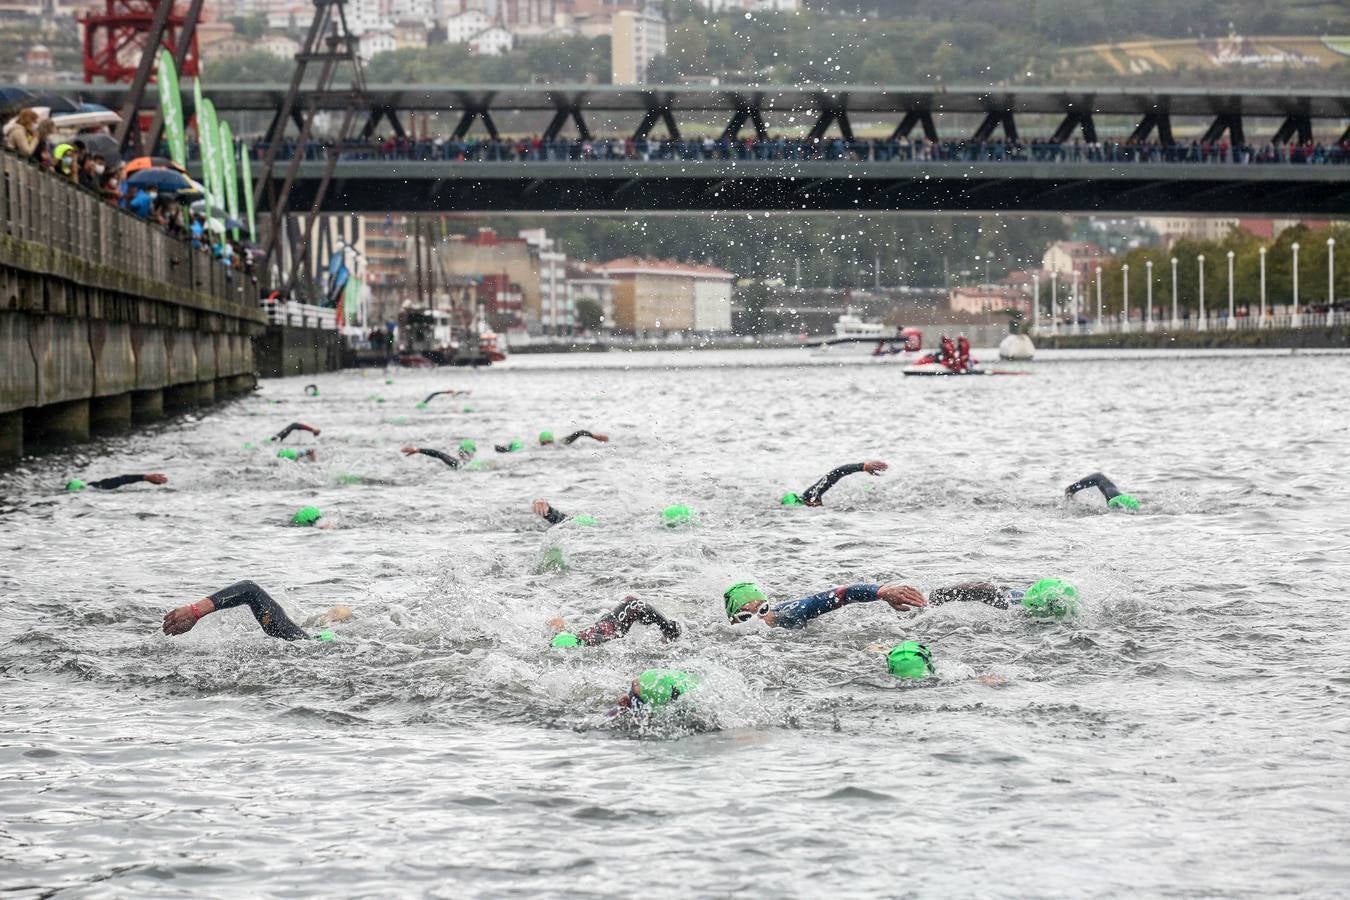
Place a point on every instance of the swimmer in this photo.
(1115, 497)
(311, 390)
(546, 437)
(654, 688)
(463, 453)
(614, 624)
(513, 447)
(814, 495)
(112, 484)
(310, 455)
(269, 614)
(1047, 597)
(434, 394)
(294, 426)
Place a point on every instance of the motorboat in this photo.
(854, 337)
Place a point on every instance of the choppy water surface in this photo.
(1188, 735)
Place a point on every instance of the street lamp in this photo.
(1036, 301)
(1200, 301)
(1054, 301)
(1263, 287)
(1148, 300)
(1099, 299)
(1331, 281)
(1073, 301)
(1294, 320)
(1176, 320)
(1125, 298)
(1232, 322)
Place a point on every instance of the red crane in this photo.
(115, 39)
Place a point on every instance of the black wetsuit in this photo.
(1095, 480)
(615, 624)
(451, 461)
(553, 516)
(813, 494)
(434, 394)
(988, 594)
(112, 484)
(273, 619)
(285, 432)
(574, 436)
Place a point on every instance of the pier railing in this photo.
(1115, 325)
(43, 208)
(300, 315)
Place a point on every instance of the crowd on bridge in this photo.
(91, 163)
(902, 149)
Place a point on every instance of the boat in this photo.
(934, 364)
(854, 337)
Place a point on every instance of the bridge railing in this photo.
(300, 315)
(1309, 318)
(41, 207)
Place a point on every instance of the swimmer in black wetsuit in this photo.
(273, 619)
(615, 624)
(294, 426)
(1115, 497)
(434, 394)
(546, 437)
(467, 449)
(117, 481)
(814, 495)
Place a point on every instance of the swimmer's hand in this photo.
(993, 680)
(541, 507)
(311, 429)
(338, 613)
(157, 478)
(874, 467)
(181, 620)
(901, 597)
(600, 436)
(558, 624)
(409, 451)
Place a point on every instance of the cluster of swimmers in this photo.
(742, 603)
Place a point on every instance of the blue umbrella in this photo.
(166, 181)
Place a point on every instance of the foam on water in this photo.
(1185, 734)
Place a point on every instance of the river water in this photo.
(1187, 735)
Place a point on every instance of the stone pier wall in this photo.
(87, 348)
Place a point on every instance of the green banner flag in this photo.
(208, 134)
(230, 173)
(246, 173)
(197, 113)
(171, 109)
(351, 301)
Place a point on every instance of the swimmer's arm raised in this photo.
(294, 426)
(595, 436)
(446, 458)
(814, 494)
(545, 510)
(112, 484)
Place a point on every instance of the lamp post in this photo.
(1100, 323)
(1148, 300)
(1054, 302)
(1073, 302)
(1200, 300)
(1263, 287)
(1232, 321)
(1331, 281)
(1295, 321)
(1036, 301)
(1176, 320)
(1125, 298)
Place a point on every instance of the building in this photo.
(493, 41)
(290, 17)
(1171, 229)
(555, 314)
(503, 302)
(461, 27)
(666, 296)
(637, 39)
(410, 33)
(1067, 257)
(590, 284)
(373, 43)
(511, 14)
(987, 299)
(388, 249)
(751, 5)
(279, 46)
(488, 253)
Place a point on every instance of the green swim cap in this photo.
(349, 479)
(585, 520)
(326, 636)
(1122, 501)
(553, 561)
(545, 437)
(910, 660)
(565, 639)
(74, 484)
(515, 445)
(476, 465)
(467, 446)
(791, 499)
(287, 453)
(677, 514)
(739, 594)
(1051, 597)
(657, 687)
(389, 381)
(400, 420)
(468, 409)
(306, 515)
(249, 445)
(422, 404)
(379, 399)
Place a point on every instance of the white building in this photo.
(1067, 257)
(637, 39)
(460, 28)
(591, 284)
(712, 299)
(279, 46)
(492, 42)
(556, 313)
(751, 5)
(378, 41)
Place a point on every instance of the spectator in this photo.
(142, 202)
(23, 135)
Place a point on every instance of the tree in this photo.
(590, 315)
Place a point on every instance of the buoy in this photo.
(1016, 346)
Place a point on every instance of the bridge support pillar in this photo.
(109, 415)
(206, 392)
(57, 423)
(922, 118)
(11, 434)
(146, 406)
(1160, 121)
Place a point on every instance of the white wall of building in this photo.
(712, 304)
(492, 42)
(460, 29)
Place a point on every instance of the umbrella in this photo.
(166, 181)
(200, 209)
(13, 99)
(147, 162)
(56, 103)
(101, 145)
